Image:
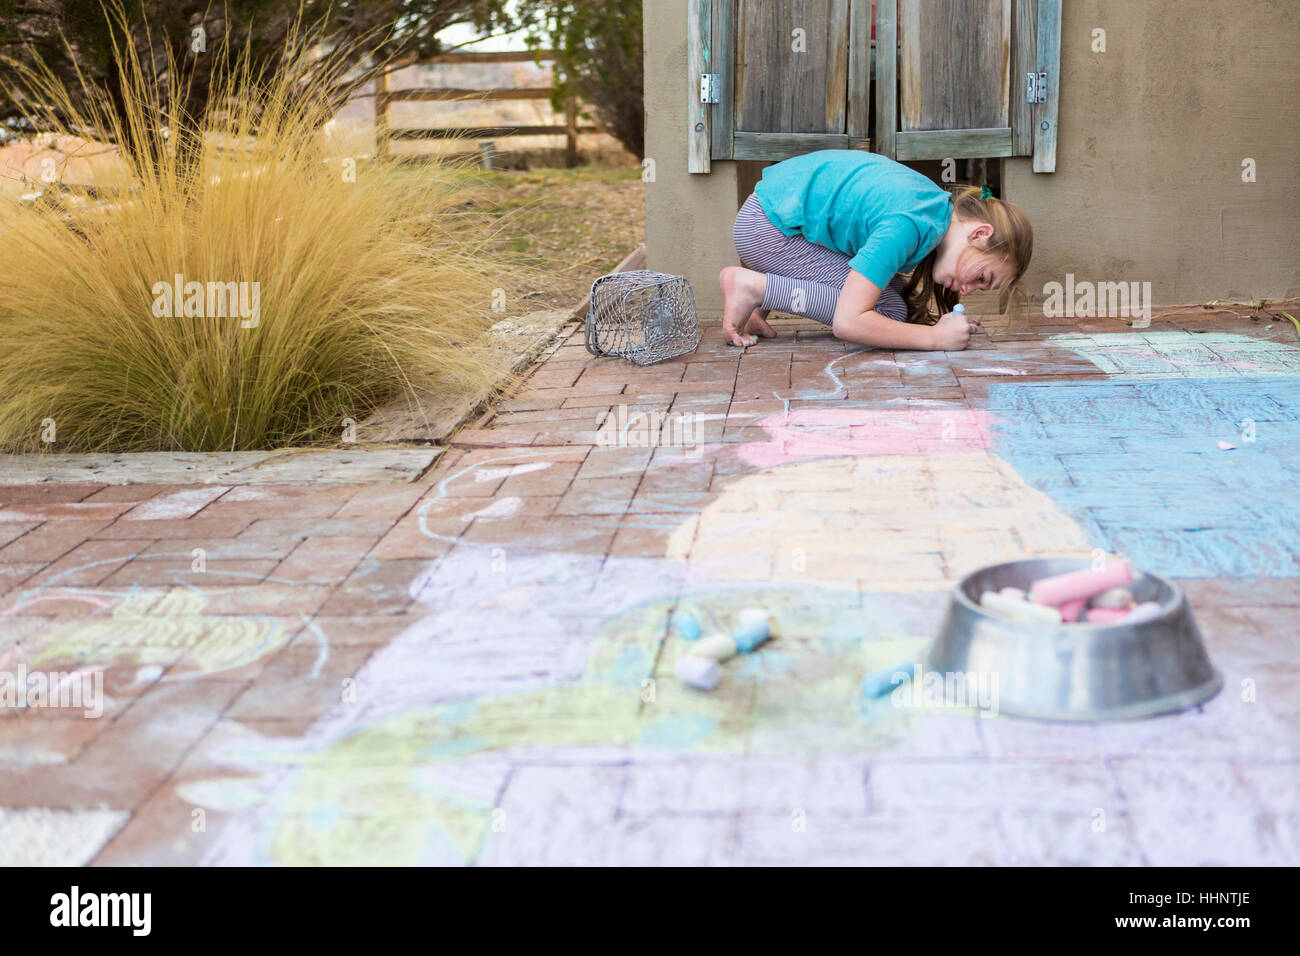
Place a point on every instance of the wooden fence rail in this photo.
(385, 132)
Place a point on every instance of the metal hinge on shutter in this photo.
(710, 87)
(1035, 87)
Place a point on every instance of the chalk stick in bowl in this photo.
(1019, 610)
(1070, 610)
(1079, 584)
(1106, 615)
(1121, 598)
(1146, 611)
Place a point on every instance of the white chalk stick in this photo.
(1121, 598)
(1019, 610)
(715, 647)
(699, 672)
(1017, 593)
(1146, 611)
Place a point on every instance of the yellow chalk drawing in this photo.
(887, 523)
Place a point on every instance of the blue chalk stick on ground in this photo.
(882, 682)
(687, 626)
(749, 636)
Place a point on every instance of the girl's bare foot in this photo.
(756, 324)
(742, 292)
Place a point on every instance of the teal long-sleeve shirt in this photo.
(882, 214)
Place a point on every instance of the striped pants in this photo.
(803, 278)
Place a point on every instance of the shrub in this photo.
(366, 283)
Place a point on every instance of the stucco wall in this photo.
(688, 218)
(1152, 136)
(1148, 183)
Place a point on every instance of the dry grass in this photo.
(562, 227)
(368, 286)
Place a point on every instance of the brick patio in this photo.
(476, 666)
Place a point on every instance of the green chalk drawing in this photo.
(163, 626)
(393, 792)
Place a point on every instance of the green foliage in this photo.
(75, 40)
(599, 50)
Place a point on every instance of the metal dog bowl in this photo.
(1077, 671)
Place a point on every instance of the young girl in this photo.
(826, 234)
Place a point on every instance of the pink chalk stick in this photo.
(1070, 610)
(1079, 584)
(1105, 615)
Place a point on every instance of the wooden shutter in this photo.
(779, 94)
(952, 79)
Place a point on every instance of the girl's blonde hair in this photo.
(1012, 241)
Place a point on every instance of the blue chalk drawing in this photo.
(326, 815)
(881, 682)
(631, 667)
(457, 711)
(1135, 461)
(679, 733)
(755, 668)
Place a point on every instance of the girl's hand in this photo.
(952, 332)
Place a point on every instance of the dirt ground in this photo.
(564, 227)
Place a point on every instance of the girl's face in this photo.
(967, 269)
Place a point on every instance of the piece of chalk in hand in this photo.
(688, 626)
(882, 682)
(959, 309)
(699, 672)
(754, 628)
(715, 647)
(1079, 584)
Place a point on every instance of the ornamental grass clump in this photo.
(227, 285)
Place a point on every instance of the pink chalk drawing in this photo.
(862, 432)
(26, 602)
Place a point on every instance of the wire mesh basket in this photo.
(643, 316)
